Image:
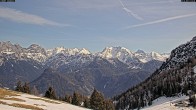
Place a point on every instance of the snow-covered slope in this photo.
(19, 101)
(180, 55)
(164, 81)
(169, 103)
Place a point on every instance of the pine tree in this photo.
(26, 88)
(150, 102)
(86, 103)
(97, 100)
(68, 98)
(76, 99)
(50, 93)
(19, 87)
(109, 105)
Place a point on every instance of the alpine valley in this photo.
(111, 71)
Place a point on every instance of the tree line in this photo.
(96, 101)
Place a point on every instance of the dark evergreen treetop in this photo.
(97, 100)
(50, 93)
(76, 99)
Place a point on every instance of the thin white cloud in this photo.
(162, 20)
(129, 12)
(21, 17)
(156, 2)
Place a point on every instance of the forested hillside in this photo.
(175, 77)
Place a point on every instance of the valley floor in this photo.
(10, 100)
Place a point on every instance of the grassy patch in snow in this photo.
(13, 98)
(22, 106)
(4, 93)
(25, 106)
(4, 103)
(7, 95)
(39, 104)
(49, 101)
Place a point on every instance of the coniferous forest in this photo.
(176, 81)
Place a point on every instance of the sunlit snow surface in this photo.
(38, 102)
(168, 103)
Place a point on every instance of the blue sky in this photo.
(150, 25)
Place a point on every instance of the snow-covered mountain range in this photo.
(37, 53)
(111, 71)
(125, 55)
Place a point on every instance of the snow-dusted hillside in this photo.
(180, 55)
(170, 103)
(174, 77)
(10, 100)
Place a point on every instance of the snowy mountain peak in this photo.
(58, 50)
(62, 50)
(84, 51)
(67, 51)
(73, 51)
(157, 56)
(36, 52)
(122, 54)
(125, 55)
(8, 47)
(39, 54)
(115, 52)
(34, 48)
